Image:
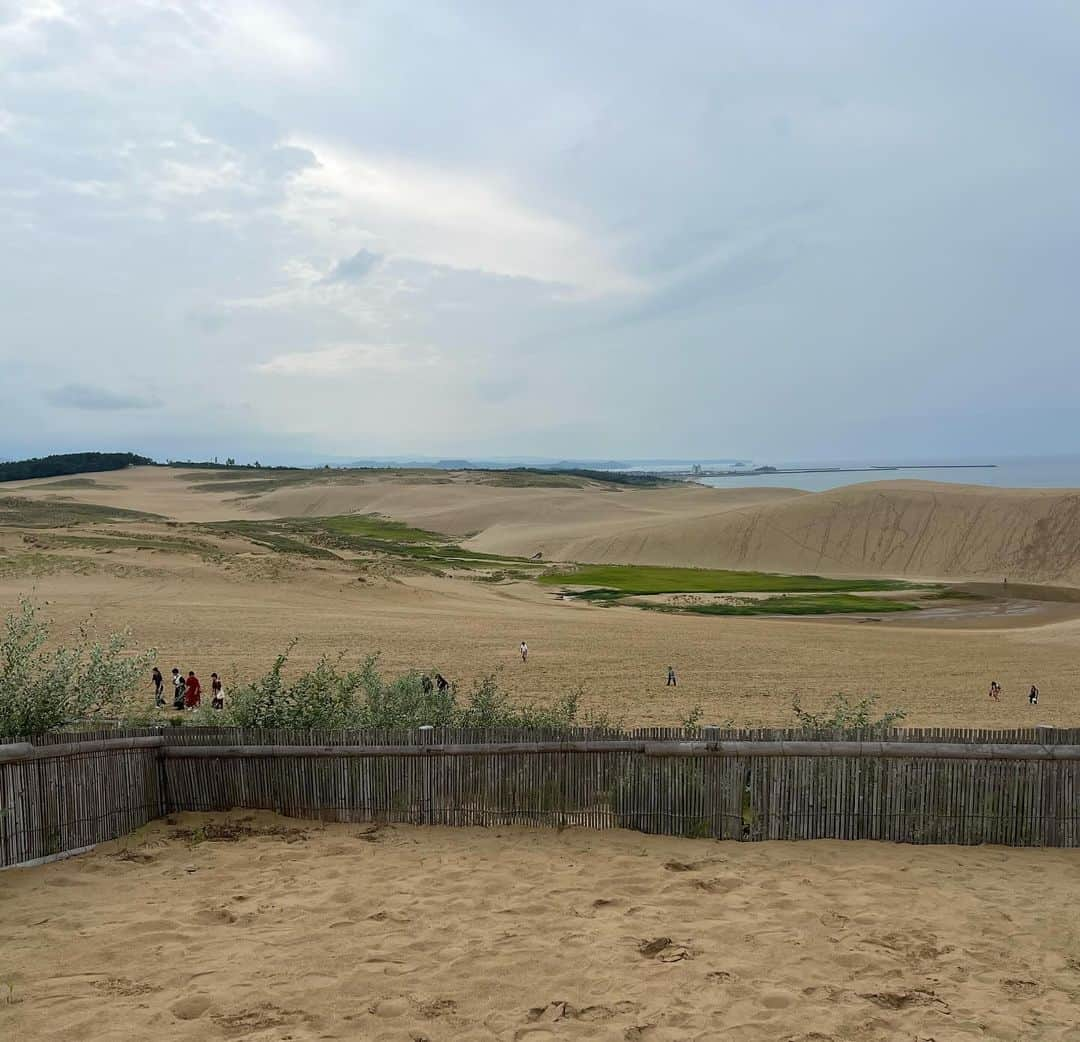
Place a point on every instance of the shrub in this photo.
(42, 690)
(328, 697)
(841, 715)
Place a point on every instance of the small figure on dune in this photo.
(995, 690)
(441, 682)
(159, 686)
(524, 649)
(1033, 696)
(672, 681)
(192, 691)
(178, 689)
(217, 700)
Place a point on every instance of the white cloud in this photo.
(349, 357)
(258, 33)
(443, 217)
(189, 179)
(24, 31)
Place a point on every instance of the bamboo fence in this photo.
(60, 793)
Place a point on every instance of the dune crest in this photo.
(915, 529)
(896, 528)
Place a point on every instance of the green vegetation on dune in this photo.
(16, 511)
(127, 541)
(617, 583)
(642, 580)
(66, 483)
(363, 534)
(822, 604)
(278, 536)
(372, 526)
(370, 533)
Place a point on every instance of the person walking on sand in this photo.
(672, 681)
(217, 700)
(159, 686)
(192, 691)
(995, 690)
(178, 689)
(524, 649)
(1033, 696)
(441, 682)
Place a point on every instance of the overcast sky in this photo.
(590, 229)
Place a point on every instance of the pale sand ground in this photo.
(507, 933)
(235, 618)
(742, 669)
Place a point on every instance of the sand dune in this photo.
(897, 528)
(302, 932)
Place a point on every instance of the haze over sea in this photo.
(1026, 472)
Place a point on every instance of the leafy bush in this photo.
(328, 697)
(842, 715)
(42, 690)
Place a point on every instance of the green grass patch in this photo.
(370, 533)
(271, 535)
(372, 526)
(616, 579)
(823, 604)
(19, 512)
(81, 483)
(133, 542)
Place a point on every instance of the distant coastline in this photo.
(772, 471)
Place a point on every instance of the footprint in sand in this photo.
(191, 1007)
(719, 885)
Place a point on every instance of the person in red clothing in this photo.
(192, 691)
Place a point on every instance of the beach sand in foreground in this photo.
(289, 930)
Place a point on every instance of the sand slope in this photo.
(405, 934)
(897, 528)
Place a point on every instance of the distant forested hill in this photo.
(69, 463)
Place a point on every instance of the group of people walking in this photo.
(995, 693)
(187, 691)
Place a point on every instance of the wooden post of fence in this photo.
(427, 734)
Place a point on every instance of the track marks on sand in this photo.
(508, 933)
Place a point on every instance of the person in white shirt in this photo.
(524, 652)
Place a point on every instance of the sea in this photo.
(1029, 472)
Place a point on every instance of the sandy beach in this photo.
(257, 927)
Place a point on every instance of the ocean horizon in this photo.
(1028, 472)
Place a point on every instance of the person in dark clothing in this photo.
(441, 682)
(1033, 696)
(178, 689)
(159, 686)
(671, 679)
(192, 691)
(217, 700)
(426, 684)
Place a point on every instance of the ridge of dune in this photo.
(910, 528)
(897, 528)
